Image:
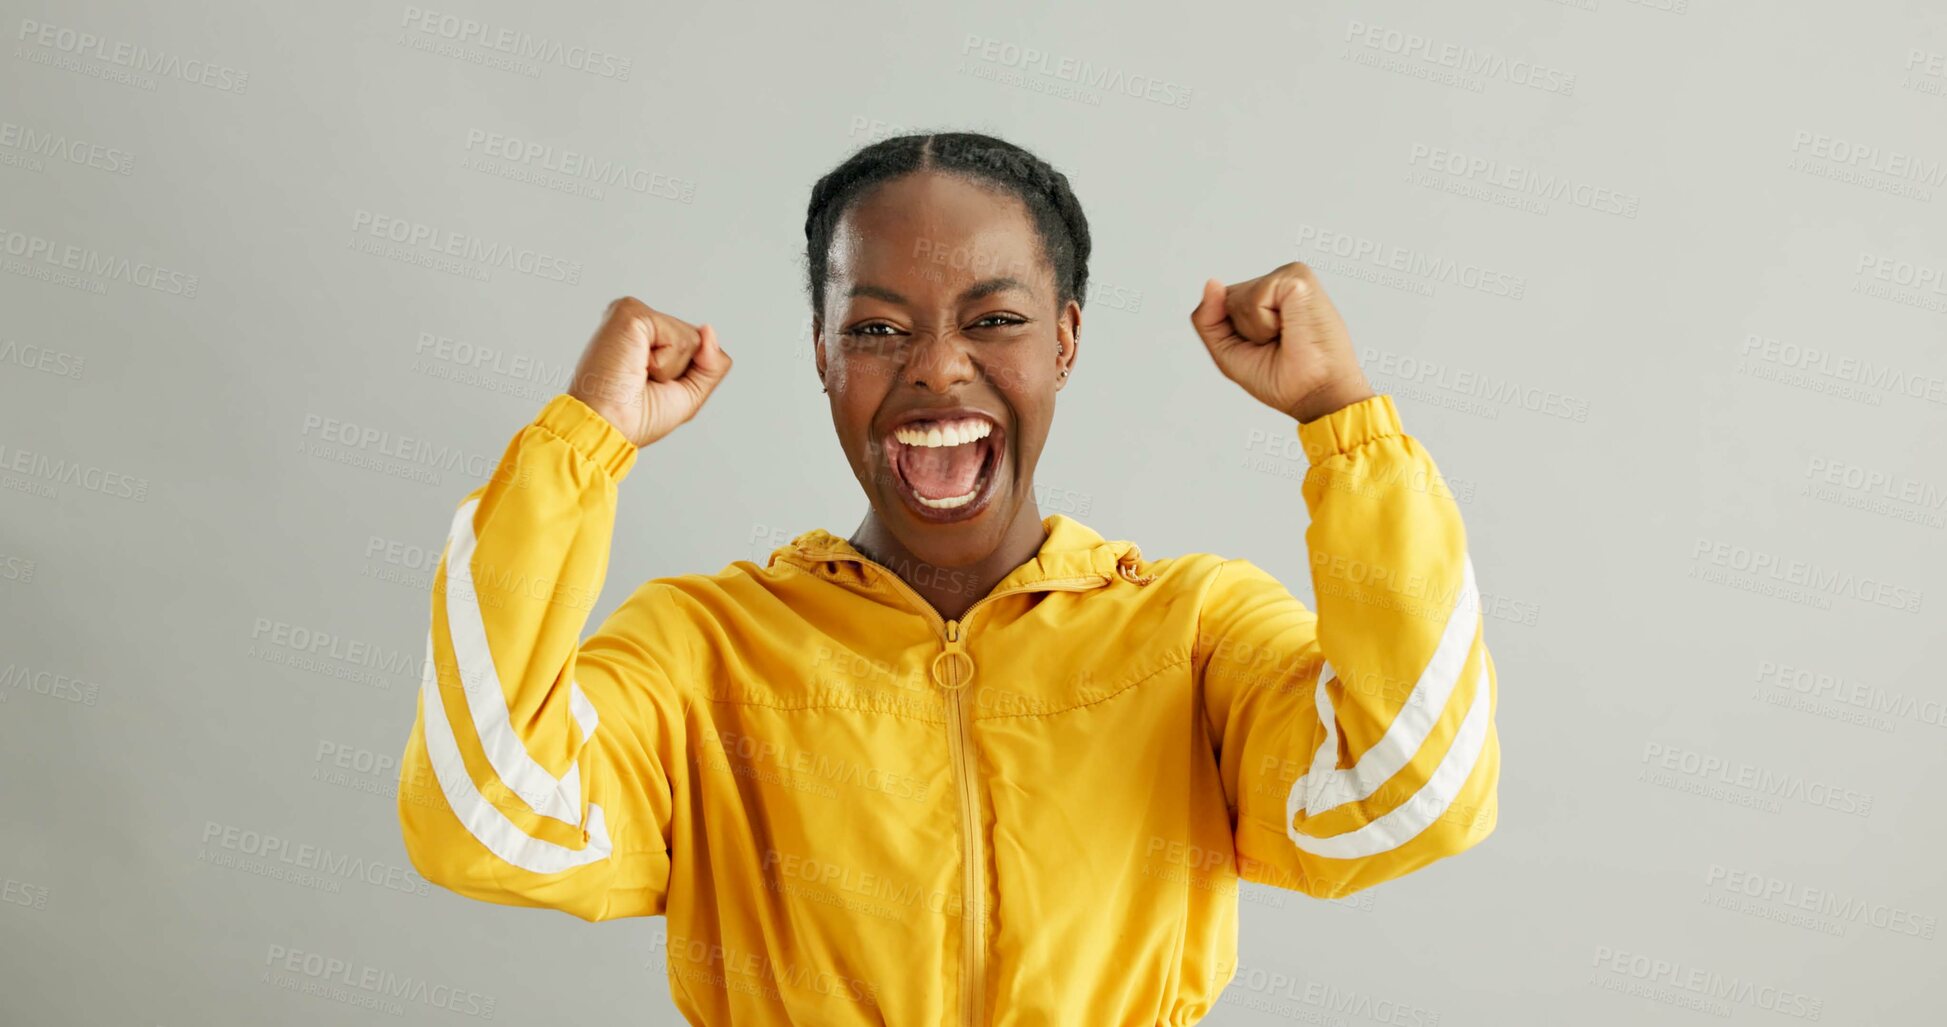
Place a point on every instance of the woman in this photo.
(968, 764)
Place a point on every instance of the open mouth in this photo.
(945, 469)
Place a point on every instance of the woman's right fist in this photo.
(648, 372)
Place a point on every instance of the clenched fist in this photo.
(1280, 338)
(648, 372)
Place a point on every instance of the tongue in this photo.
(941, 472)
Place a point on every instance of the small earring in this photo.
(1064, 374)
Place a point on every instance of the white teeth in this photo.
(935, 434)
(950, 433)
(947, 504)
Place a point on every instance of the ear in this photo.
(1068, 333)
(818, 346)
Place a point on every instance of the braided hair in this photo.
(1057, 215)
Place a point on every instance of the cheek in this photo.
(852, 417)
(1026, 375)
(862, 368)
(1032, 414)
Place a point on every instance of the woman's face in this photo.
(941, 345)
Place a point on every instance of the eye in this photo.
(1000, 321)
(861, 329)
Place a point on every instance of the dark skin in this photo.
(939, 292)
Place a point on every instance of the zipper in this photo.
(973, 881)
(973, 861)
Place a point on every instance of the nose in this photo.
(938, 361)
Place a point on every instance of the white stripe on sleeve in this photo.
(488, 825)
(1325, 786)
(486, 701)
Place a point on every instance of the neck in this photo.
(951, 588)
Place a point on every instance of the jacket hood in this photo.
(1072, 554)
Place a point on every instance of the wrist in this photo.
(1347, 429)
(590, 432)
(616, 415)
(1329, 399)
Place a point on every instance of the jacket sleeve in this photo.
(1356, 744)
(539, 768)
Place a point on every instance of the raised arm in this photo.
(539, 768)
(1356, 744)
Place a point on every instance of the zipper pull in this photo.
(952, 666)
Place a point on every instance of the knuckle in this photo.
(630, 307)
(680, 331)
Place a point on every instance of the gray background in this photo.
(1721, 723)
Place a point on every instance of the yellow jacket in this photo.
(809, 772)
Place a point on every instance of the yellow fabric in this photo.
(785, 759)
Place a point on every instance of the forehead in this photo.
(935, 223)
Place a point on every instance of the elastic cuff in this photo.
(1349, 427)
(589, 433)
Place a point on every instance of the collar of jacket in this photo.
(1072, 554)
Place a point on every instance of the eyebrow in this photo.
(972, 292)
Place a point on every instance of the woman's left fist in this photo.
(1280, 338)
